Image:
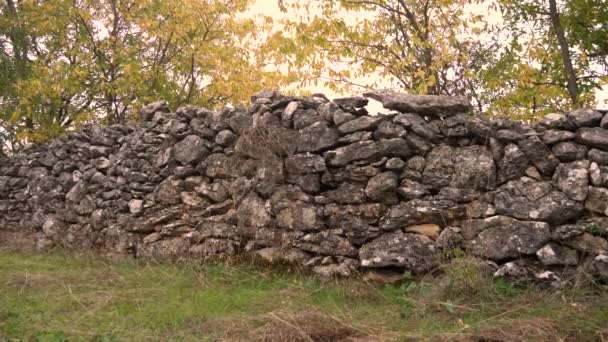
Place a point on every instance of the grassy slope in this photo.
(60, 297)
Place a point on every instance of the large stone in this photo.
(360, 124)
(597, 200)
(352, 102)
(418, 211)
(423, 104)
(585, 117)
(297, 215)
(588, 243)
(190, 150)
(326, 243)
(556, 255)
(512, 165)
(317, 137)
(347, 154)
(414, 252)
(539, 154)
(473, 169)
(573, 179)
(556, 120)
(304, 164)
(554, 136)
(502, 237)
(528, 199)
(253, 212)
(439, 167)
(383, 188)
(598, 156)
(395, 147)
(593, 137)
(168, 192)
(347, 193)
(358, 222)
(569, 151)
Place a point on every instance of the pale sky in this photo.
(270, 8)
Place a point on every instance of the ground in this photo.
(67, 296)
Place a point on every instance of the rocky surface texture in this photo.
(324, 184)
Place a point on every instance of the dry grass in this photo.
(79, 297)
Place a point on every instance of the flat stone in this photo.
(593, 137)
(569, 151)
(501, 237)
(553, 254)
(414, 252)
(585, 117)
(422, 104)
(539, 154)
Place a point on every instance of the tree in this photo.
(423, 47)
(556, 56)
(100, 60)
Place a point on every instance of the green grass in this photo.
(75, 297)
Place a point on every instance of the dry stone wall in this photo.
(326, 185)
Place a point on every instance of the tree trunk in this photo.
(565, 52)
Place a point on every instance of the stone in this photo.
(573, 179)
(410, 189)
(297, 215)
(382, 276)
(253, 212)
(432, 105)
(77, 192)
(168, 192)
(383, 188)
(595, 174)
(290, 110)
(136, 206)
(339, 117)
(598, 156)
(395, 147)
(414, 252)
(225, 138)
(528, 199)
(347, 193)
(604, 122)
(346, 268)
(588, 243)
(585, 117)
(360, 124)
(539, 154)
(417, 211)
(351, 102)
(304, 164)
(388, 130)
(513, 164)
(439, 167)
(394, 164)
(593, 137)
(508, 136)
(501, 237)
(326, 243)
(449, 239)
(473, 169)
(191, 150)
(317, 137)
(216, 191)
(305, 117)
(430, 230)
(597, 200)
(556, 120)
(347, 154)
(358, 222)
(569, 151)
(552, 136)
(53, 228)
(148, 111)
(553, 254)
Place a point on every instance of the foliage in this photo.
(421, 47)
(100, 60)
(529, 75)
(511, 66)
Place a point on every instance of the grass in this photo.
(76, 297)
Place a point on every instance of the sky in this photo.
(270, 8)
